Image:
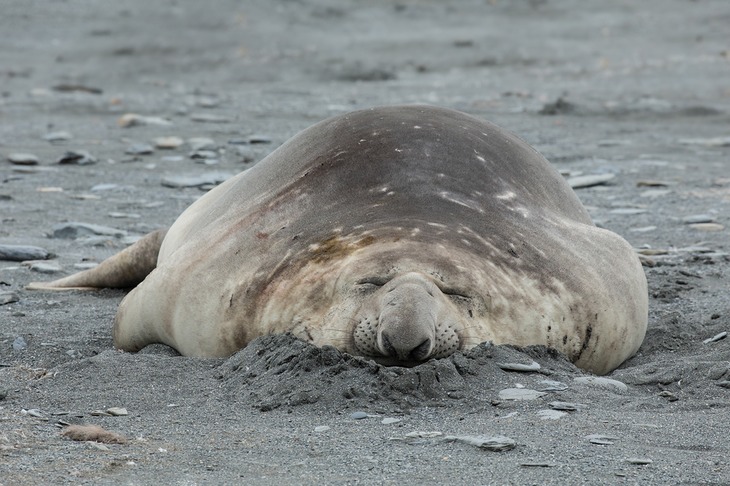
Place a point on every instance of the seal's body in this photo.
(400, 233)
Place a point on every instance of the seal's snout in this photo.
(407, 321)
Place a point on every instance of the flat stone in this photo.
(7, 297)
(43, 267)
(195, 180)
(19, 253)
(23, 159)
(628, 211)
(57, 136)
(551, 414)
(709, 227)
(132, 119)
(168, 142)
(75, 230)
(589, 180)
(498, 443)
(698, 218)
(76, 157)
(534, 366)
(520, 394)
(139, 149)
(601, 382)
(210, 118)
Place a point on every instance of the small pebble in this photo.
(104, 187)
(23, 159)
(259, 139)
(639, 461)
(707, 226)
(643, 229)
(589, 180)
(19, 344)
(698, 218)
(74, 157)
(117, 411)
(139, 149)
(390, 420)
(168, 143)
(131, 119)
(34, 412)
(195, 181)
(716, 337)
(566, 406)
(57, 137)
(652, 184)
(42, 267)
(172, 158)
(209, 118)
(628, 211)
(321, 428)
(203, 154)
(358, 415)
(534, 366)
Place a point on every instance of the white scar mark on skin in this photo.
(506, 196)
(479, 156)
(449, 197)
(417, 127)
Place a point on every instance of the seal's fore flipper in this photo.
(124, 270)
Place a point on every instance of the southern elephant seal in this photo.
(401, 233)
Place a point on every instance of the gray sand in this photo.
(634, 89)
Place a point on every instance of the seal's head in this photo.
(406, 320)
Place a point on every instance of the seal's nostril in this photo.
(388, 346)
(421, 352)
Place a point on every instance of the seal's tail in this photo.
(124, 270)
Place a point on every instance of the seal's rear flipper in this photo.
(124, 270)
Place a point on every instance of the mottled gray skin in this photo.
(402, 233)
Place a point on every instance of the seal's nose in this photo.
(404, 349)
(407, 321)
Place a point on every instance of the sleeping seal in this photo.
(400, 233)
